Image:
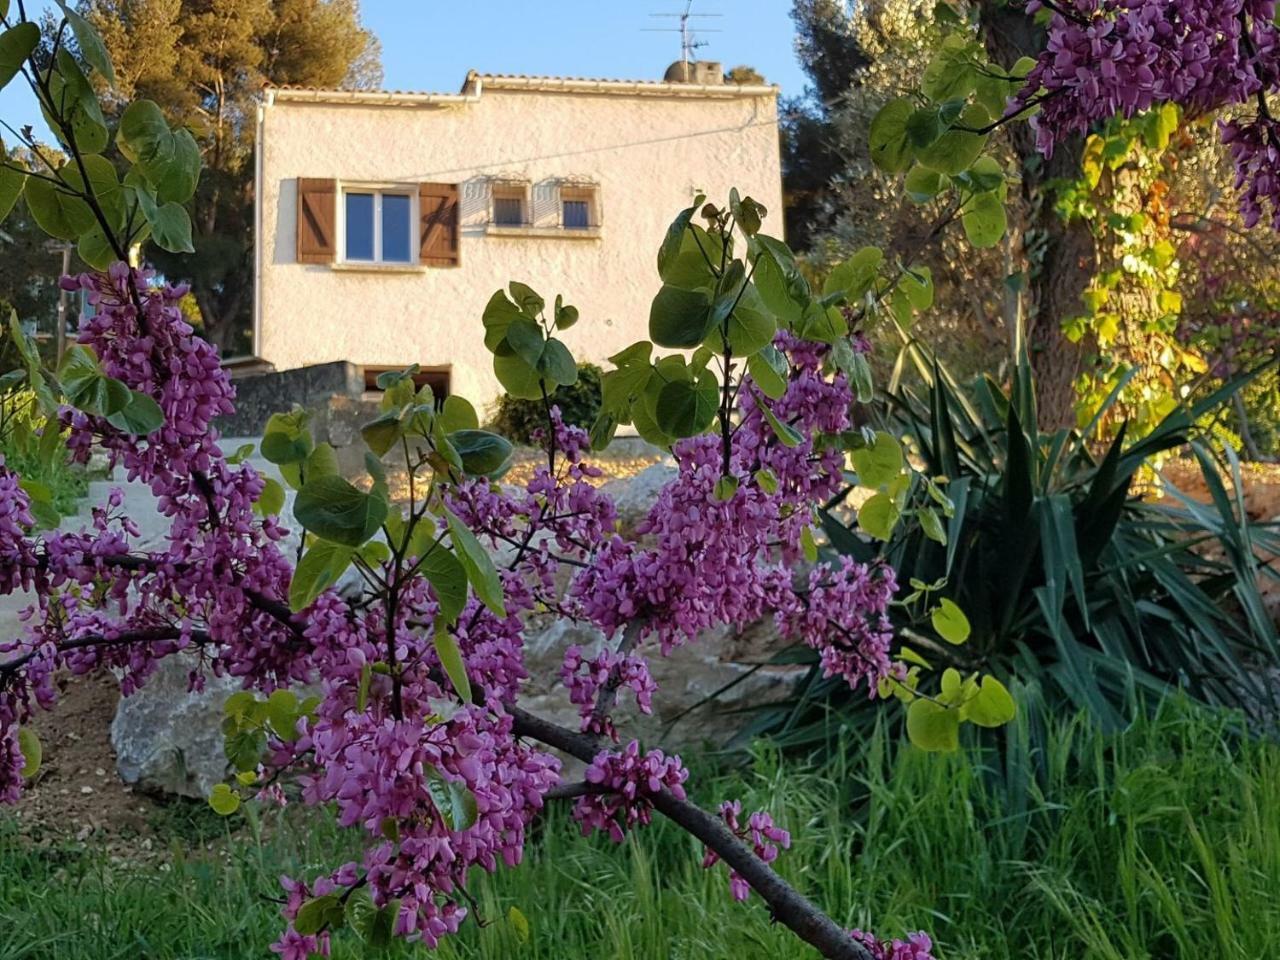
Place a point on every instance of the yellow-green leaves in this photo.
(224, 800)
(320, 567)
(880, 462)
(950, 622)
(992, 705)
(933, 727)
(31, 750)
(519, 923)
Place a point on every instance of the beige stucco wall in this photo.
(649, 154)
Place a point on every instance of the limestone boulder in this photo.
(167, 738)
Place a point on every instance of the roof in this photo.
(477, 83)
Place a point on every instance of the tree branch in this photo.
(788, 905)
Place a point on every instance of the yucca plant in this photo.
(1067, 576)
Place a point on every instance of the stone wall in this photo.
(259, 396)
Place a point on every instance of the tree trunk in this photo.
(1058, 257)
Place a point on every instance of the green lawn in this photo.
(1163, 842)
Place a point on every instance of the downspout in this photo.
(258, 239)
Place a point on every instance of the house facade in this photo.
(387, 220)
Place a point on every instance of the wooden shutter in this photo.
(317, 208)
(438, 210)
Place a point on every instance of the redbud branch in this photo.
(788, 905)
(609, 692)
(10, 667)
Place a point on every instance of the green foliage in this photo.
(579, 406)
(1157, 842)
(1052, 568)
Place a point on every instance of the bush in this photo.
(55, 486)
(579, 405)
(1066, 575)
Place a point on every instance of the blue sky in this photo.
(431, 44)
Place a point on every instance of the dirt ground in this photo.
(77, 795)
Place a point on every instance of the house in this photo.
(387, 219)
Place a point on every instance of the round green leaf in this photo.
(922, 184)
(890, 148)
(984, 220)
(458, 414)
(332, 508)
(878, 463)
(854, 277)
(950, 622)
(993, 706)
(680, 318)
(878, 516)
(224, 800)
(933, 727)
(954, 150)
(518, 378)
(58, 212)
(483, 454)
(685, 408)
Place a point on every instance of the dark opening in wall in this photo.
(437, 378)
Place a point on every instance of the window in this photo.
(577, 214)
(578, 208)
(378, 226)
(508, 206)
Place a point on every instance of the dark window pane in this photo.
(576, 214)
(508, 211)
(359, 213)
(395, 228)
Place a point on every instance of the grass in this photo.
(1161, 842)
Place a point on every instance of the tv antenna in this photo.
(688, 39)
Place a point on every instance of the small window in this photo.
(508, 206)
(377, 226)
(578, 208)
(577, 214)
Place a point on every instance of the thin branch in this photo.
(788, 905)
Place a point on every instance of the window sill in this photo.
(559, 233)
(354, 266)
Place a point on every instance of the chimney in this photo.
(709, 72)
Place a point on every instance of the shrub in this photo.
(579, 405)
(1065, 574)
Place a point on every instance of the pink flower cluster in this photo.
(844, 616)
(917, 946)
(759, 832)
(628, 779)
(1119, 57)
(584, 679)
(730, 561)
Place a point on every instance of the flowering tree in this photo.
(416, 738)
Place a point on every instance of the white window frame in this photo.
(379, 190)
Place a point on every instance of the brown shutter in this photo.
(438, 209)
(317, 207)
